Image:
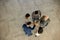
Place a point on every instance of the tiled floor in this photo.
(12, 17)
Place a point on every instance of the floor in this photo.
(12, 14)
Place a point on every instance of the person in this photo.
(40, 31)
(27, 18)
(28, 27)
(44, 21)
(36, 23)
(36, 15)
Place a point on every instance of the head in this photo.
(28, 24)
(45, 17)
(27, 15)
(36, 12)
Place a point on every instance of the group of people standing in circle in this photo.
(35, 21)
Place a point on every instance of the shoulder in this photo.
(24, 25)
(33, 13)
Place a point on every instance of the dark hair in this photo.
(36, 12)
(37, 21)
(27, 15)
(28, 23)
(40, 30)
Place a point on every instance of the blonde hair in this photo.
(45, 17)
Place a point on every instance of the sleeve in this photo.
(39, 13)
(33, 15)
(47, 22)
(33, 27)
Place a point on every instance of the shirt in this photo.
(27, 29)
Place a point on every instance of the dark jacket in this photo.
(27, 30)
(44, 23)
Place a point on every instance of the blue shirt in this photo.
(27, 30)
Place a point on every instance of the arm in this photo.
(33, 27)
(39, 13)
(33, 15)
(47, 22)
